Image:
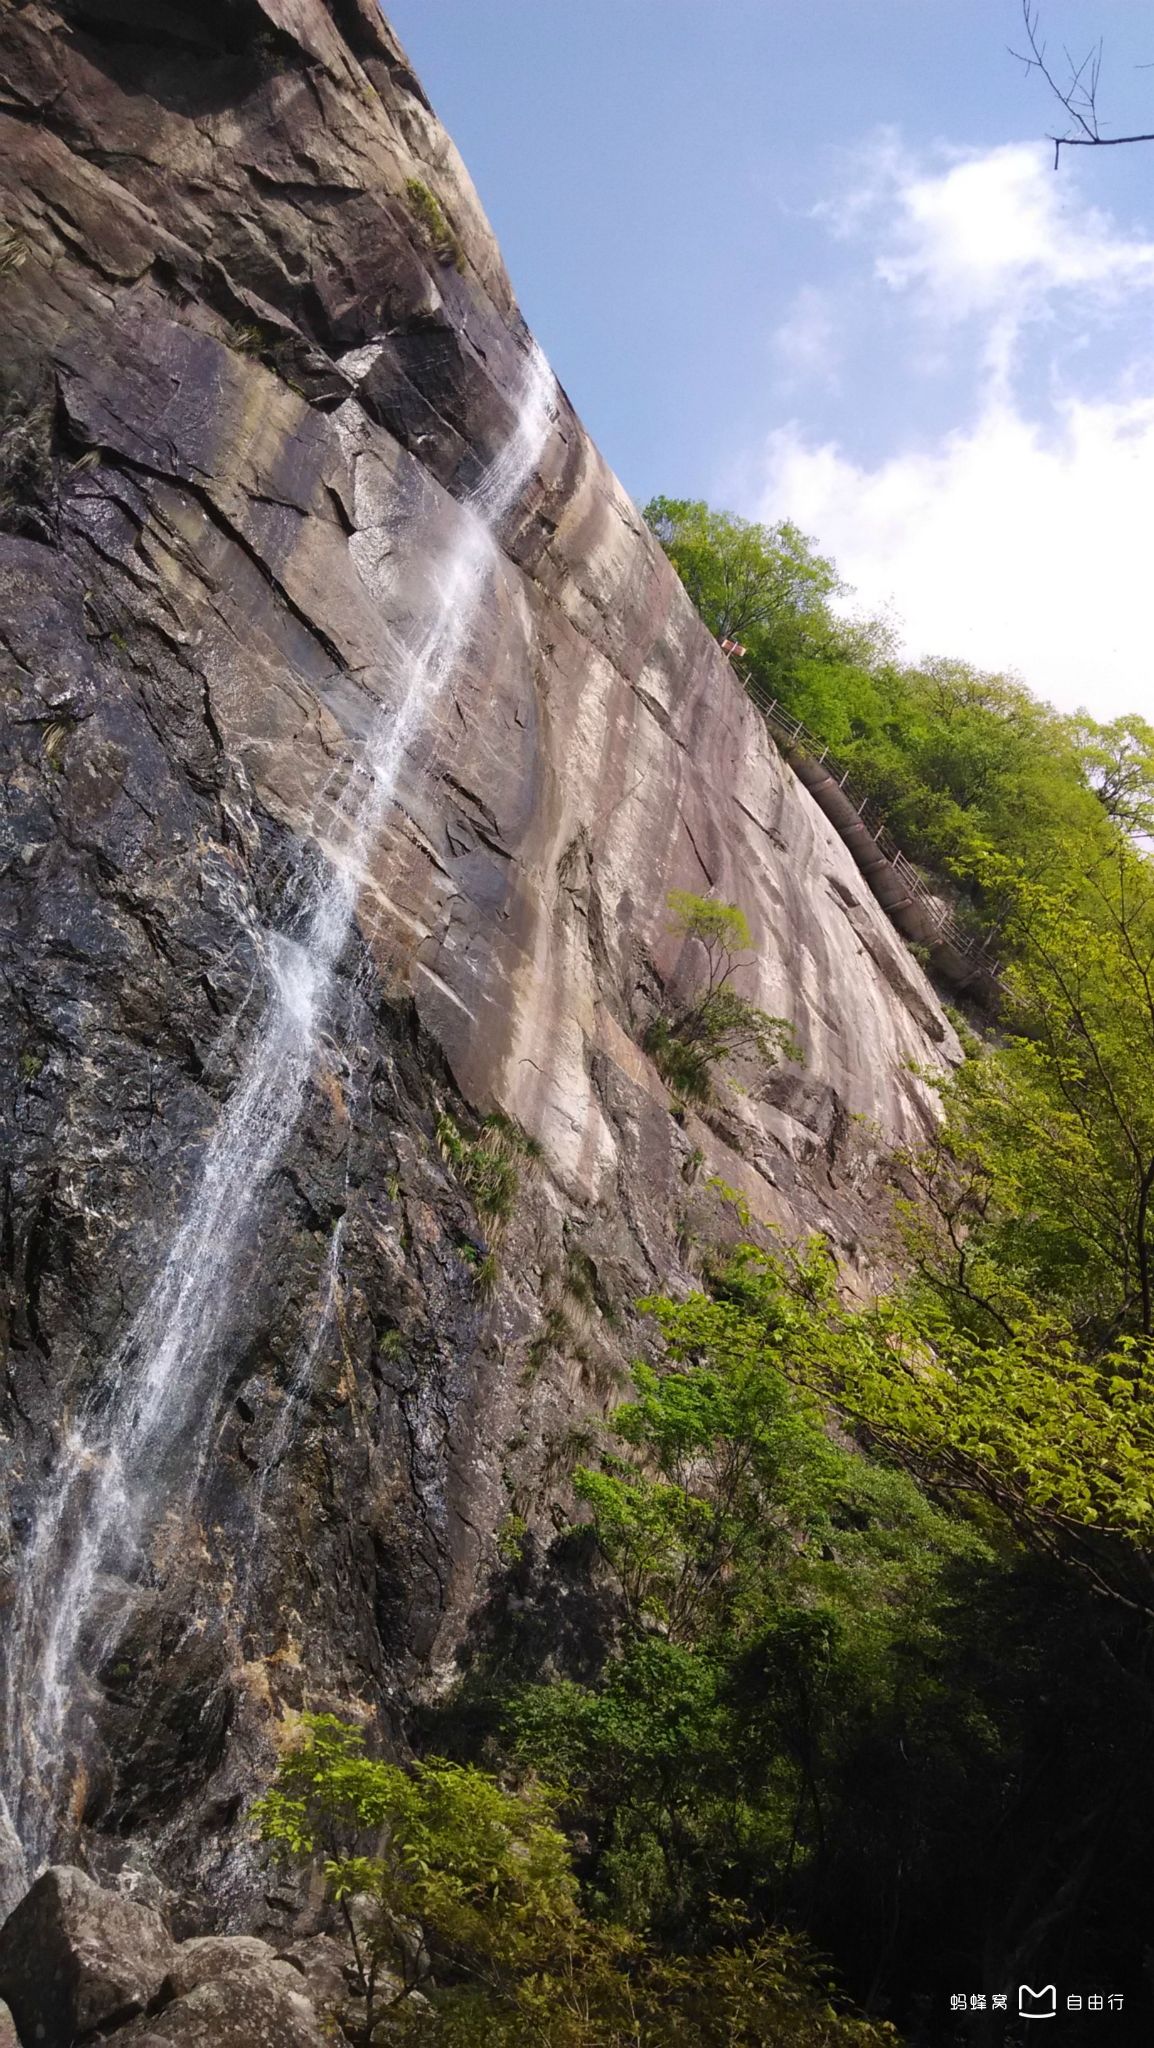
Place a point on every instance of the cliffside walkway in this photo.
(958, 956)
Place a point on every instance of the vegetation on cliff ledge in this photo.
(695, 1036)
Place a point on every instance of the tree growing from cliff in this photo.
(695, 1036)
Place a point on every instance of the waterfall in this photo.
(279, 1440)
(137, 1445)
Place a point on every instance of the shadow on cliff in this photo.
(548, 1615)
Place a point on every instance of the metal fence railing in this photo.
(943, 927)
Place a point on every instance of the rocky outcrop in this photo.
(260, 348)
(79, 1964)
(75, 1959)
(265, 2007)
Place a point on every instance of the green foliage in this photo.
(1022, 1427)
(1118, 763)
(733, 1196)
(842, 1539)
(512, 1536)
(974, 776)
(430, 217)
(730, 1473)
(750, 583)
(487, 1275)
(490, 1166)
(721, 928)
(481, 1871)
(692, 1039)
(1038, 1192)
(771, 1582)
(454, 1886)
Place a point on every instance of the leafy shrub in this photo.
(454, 1887)
(690, 1040)
(430, 217)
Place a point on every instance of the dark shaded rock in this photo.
(74, 1958)
(168, 1709)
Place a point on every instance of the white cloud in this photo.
(1008, 545)
(1021, 537)
(975, 227)
(807, 342)
(999, 229)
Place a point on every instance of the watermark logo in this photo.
(1037, 2005)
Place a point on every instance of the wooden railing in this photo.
(903, 892)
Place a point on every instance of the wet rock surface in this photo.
(244, 402)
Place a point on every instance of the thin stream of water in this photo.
(136, 1448)
(279, 1438)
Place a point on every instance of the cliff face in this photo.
(260, 354)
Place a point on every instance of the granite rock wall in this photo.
(259, 348)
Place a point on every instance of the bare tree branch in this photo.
(1079, 95)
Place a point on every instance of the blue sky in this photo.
(809, 259)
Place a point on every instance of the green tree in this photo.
(462, 1911)
(1021, 1425)
(1118, 763)
(1039, 1191)
(767, 1576)
(763, 585)
(455, 1860)
(693, 1037)
(812, 1639)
